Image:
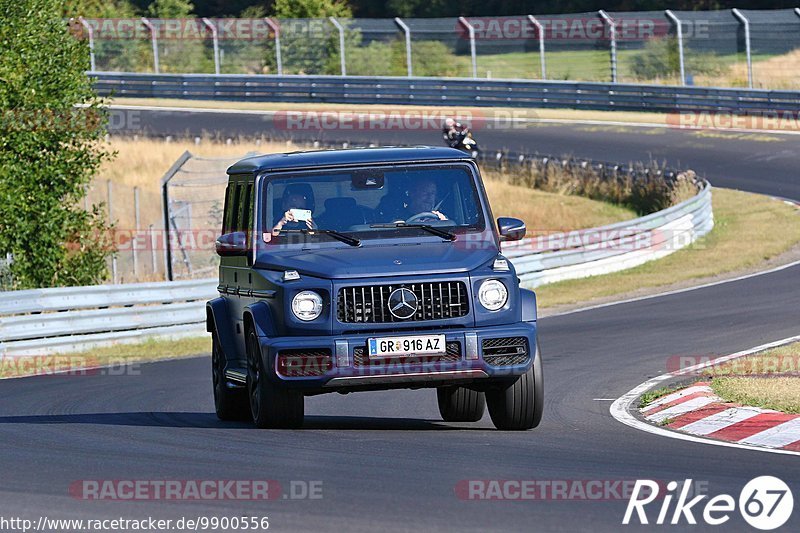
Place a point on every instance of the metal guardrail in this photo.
(444, 91)
(580, 254)
(42, 321)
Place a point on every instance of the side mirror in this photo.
(511, 229)
(232, 244)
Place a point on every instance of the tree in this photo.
(170, 9)
(310, 9)
(49, 150)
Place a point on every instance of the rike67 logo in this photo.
(765, 503)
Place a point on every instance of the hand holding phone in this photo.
(301, 215)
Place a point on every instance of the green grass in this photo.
(652, 395)
(749, 229)
(580, 65)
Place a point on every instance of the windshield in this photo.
(371, 203)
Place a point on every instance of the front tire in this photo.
(519, 405)
(271, 407)
(460, 404)
(229, 403)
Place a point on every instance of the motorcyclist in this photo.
(453, 132)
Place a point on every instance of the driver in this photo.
(421, 198)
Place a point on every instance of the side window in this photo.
(246, 216)
(232, 215)
(226, 214)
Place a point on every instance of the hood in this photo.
(381, 259)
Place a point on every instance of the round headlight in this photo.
(492, 294)
(307, 305)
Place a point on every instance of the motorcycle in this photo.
(466, 143)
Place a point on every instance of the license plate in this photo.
(413, 345)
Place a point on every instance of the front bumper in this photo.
(351, 368)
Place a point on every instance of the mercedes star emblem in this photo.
(402, 303)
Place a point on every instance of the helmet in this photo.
(449, 122)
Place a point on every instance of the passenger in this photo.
(297, 196)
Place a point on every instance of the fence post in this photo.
(471, 31)
(679, 29)
(154, 39)
(738, 14)
(215, 37)
(185, 156)
(407, 33)
(540, 29)
(153, 249)
(277, 31)
(111, 219)
(90, 31)
(135, 239)
(613, 35)
(340, 29)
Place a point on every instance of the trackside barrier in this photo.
(43, 321)
(580, 254)
(443, 91)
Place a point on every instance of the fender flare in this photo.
(259, 315)
(528, 304)
(218, 320)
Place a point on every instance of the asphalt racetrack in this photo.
(384, 459)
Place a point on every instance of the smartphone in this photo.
(301, 215)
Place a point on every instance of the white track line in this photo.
(683, 408)
(675, 396)
(721, 420)
(622, 409)
(776, 436)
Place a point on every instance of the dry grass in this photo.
(779, 393)
(781, 360)
(777, 72)
(142, 163)
(768, 379)
(749, 229)
(545, 212)
(116, 356)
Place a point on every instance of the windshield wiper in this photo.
(446, 235)
(352, 241)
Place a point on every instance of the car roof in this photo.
(350, 156)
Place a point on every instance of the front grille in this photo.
(369, 304)
(505, 351)
(452, 354)
(304, 363)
